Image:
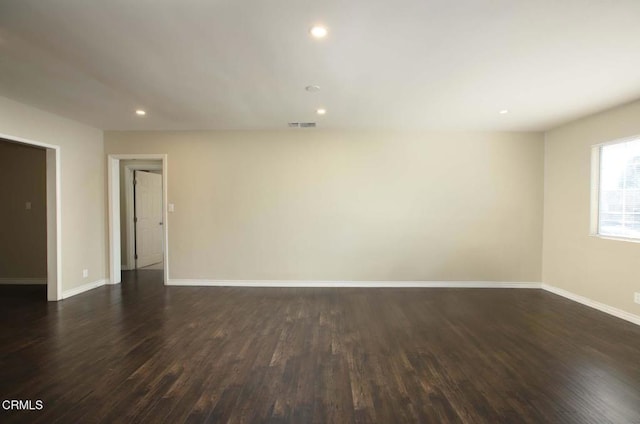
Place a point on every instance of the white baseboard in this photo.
(363, 284)
(23, 281)
(83, 288)
(619, 313)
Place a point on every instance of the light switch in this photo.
(171, 207)
(27, 206)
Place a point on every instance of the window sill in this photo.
(627, 239)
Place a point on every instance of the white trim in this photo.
(595, 191)
(27, 141)
(389, 284)
(113, 178)
(54, 214)
(129, 234)
(619, 313)
(54, 225)
(83, 288)
(23, 281)
(616, 238)
(113, 169)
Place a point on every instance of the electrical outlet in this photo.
(85, 273)
(27, 206)
(636, 297)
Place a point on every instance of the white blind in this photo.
(619, 200)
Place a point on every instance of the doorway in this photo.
(141, 215)
(23, 221)
(138, 234)
(31, 212)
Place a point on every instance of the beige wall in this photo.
(606, 271)
(82, 183)
(323, 205)
(23, 232)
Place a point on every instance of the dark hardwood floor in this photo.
(141, 352)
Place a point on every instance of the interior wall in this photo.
(83, 186)
(124, 222)
(23, 232)
(599, 269)
(331, 205)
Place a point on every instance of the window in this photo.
(618, 189)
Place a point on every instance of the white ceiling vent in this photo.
(302, 124)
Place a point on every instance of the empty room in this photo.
(425, 211)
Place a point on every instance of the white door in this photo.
(148, 216)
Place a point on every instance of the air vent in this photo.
(302, 124)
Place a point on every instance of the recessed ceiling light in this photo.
(321, 111)
(318, 31)
(312, 88)
(140, 112)
(503, 112)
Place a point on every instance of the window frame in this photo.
(596, 168)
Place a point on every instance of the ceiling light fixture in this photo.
(140, 112)
(318, 31)
(321, 111)
(503, 112)
(312, 88)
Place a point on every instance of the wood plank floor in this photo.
(141, 352)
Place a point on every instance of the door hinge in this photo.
(135, 219)
(136, 256)
(135, 182)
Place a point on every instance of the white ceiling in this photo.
(414, 64)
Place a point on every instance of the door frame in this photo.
(113, 178)
(54, 214)
(129, 241)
